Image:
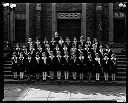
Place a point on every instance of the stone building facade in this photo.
(41, 20)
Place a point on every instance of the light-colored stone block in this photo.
(34, 99)
(58, 99)
(80, 95)
(12, 99)
(38, 93)
(60, 94)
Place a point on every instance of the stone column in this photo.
(11, 26)
(111, 22)
(38, 20)
(27, 21)
(83, 21)
(99, 21)
(54, 21)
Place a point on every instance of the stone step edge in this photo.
(118, 83)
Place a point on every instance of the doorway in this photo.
(20, 30)
(69, 28)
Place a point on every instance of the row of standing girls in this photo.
(57, 58)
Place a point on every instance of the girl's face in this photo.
(21, 55)
(43, 55)
(74, 39)
(52, 39)
(105, 57)
(29, 56)
(88, 39)
(29, 39)
(97, 56)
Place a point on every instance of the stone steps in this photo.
(118, 78)
(108, 83)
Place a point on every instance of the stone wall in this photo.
(91, 19)
(60, 7)
(105, 22)
(46, 20)
(32, 20)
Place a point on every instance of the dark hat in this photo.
(29, 53)
(21, 52)
(37, 53)
(105, 54)
(81, 53)
(113, 55)
(58, 52)
(89, 52)
(96, 54)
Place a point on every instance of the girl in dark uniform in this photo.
(24, 50)
(37, 43)
(56, 49)
(52, 44)
(97, 44)
(113, 67)
(85, 51)
(73, 65)
(81, 66)
(108, 51)
(93, 51)
(66, 65)
(90, 65)
(15, 65)
(47, 50)
(106, 66)
(29, 66)
(73, 50)
(89, 43)
(37, 65)
(59, 65)
(97, 66)
(40, 50)
(44, 66)
(56, 37)
(82, 42)
(68, 43)
(74, 42)
(64, 50)
(51, 65)
(45, 42)
(101, 52)
(79, 50)
(18, 50)
(21, 65)
(61, 44)
(29, 43)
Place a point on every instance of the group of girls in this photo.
(69, 59)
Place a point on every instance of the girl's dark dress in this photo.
(15, 65)
(113, 66)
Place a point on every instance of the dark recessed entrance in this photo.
(20, 30)
(119, 30)
(69, 28)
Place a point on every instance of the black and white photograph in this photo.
(64, 51)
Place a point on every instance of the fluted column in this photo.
(83, 21)
(27, 21)
(99, 21)
(111, 22)
(54, 21)
(38, 20)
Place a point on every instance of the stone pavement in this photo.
(34, 92)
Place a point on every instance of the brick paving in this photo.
(34, 92)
